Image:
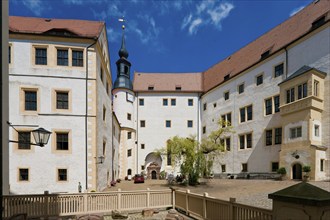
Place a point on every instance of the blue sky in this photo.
(171, 35)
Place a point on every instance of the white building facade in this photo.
(250, 89)
(59, 79)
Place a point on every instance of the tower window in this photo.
(141, 102)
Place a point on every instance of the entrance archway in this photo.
(154, 175)
(297, 171)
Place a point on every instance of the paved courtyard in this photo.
(250, 192)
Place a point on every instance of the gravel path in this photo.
(250, 192)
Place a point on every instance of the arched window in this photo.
(129, 172)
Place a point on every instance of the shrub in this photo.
(281, 170)
(307, 169)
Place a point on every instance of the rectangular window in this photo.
(248, 140)
(104, 113)
(246, 114)
(62, 175)
(295, 132)
(40, 56)
(142, 167)
(223, 168)
(242, 114)
(322, 165)
(244, 167)
(290, 95)
(129, 152)
(23, 174)
(268, 106)
(276, 103)
(62, 57)
(228, 144)
(101, 74)
(62, 100)
(241, 141)
(141, 102)
(259, 80)
(317, 130)
(30, 100)
(9, 54)
(226, 120)
(249, 113)
(142, 123)
(241, 88)
(226, 95)
(189, 123)
(204, 106)
(279, 70)
(302, 91)
(165, 102)
(168, 123)
(190, 102)
(215, 105)
(142, 146)
(274, 166)
(173, 102)
(24, 140)
(316, 88)
(269, 137)
(129, 116)
(204, 129)
(77, 58)
(62, 141)
(278, 135)
(129, 135)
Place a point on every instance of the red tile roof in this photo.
(168, 82)
(275, 39)
(79, 28)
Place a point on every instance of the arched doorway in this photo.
(154, 175)
(296, 171)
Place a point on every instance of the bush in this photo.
(307, 169)
(281, 170)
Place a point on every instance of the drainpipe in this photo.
(86, 115)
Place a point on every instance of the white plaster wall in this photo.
(121, 106)
(155, 134)
(115, 144)
(42, 162)
(259, 157)
(104, 127)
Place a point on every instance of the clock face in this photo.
(129, 97)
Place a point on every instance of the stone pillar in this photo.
(301, 201)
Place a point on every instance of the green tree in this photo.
(196, 159)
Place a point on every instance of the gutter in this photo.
(86, 114)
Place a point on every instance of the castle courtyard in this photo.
(249, 192)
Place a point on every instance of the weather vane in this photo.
(122, 20)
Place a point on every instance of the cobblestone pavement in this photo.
(250, 192)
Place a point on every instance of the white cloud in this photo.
(219, 13)
(73, 2)
(36, 6)
(296, 10)
(194, 25)
(207, 13)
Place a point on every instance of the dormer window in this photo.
(265, 54)
(318, 22)
(178, 88)
(226, 77)
(150, 87)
